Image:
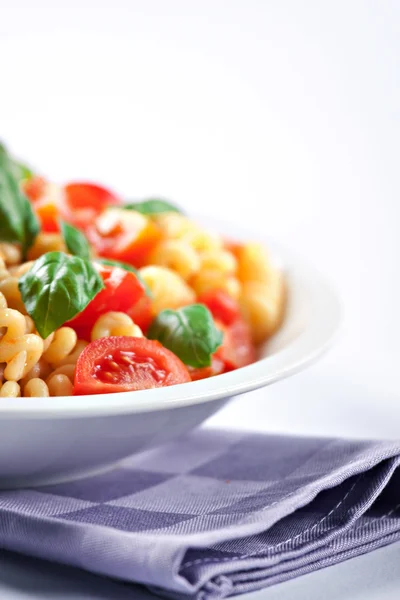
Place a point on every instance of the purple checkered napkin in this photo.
(215, 513)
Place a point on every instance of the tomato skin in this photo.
(122, 292)
(141, 364)
(237, 349)
(126, 243)
(222, 306)
(84, 201)
(34, 188)
(48, 214)
(216, 368)
(142, 313)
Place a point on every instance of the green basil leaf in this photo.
(18, 222)
(189, 332)
(152, 206)
(22, 171)
(57, 288)
(75, 241)
(122, 265)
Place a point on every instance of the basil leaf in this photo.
(57, 288)
(189, 332)
(75, 241)
(18, 222)
(122, 265)
(22, 171)
(152, 206)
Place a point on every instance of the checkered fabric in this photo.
(215, 513)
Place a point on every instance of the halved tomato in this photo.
(221, 305)
(216, 368)
(122, 364)
(47, 202)
(237, 349)
(34, 188)
(123, 292)
(124, 235)
(84, 201)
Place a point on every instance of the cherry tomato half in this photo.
(237, 349)
(34, 188)
(216, 368)
(121, 364)
(124, 235)
(84, 201)
(123, 292)
(222, 306)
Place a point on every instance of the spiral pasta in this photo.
(9, 288)
(19, 350)
(46, 242)
(168, 288)
(177, 255)
(63, 347)
(10, 389)
(10, 253)
(263, 306)
(206, 281)
(36, 388)
(115, 323)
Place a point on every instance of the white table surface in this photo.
(282, 115)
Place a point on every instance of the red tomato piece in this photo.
(123, 292)
(48, 214)
(34, 188)
(216, 368)
(142, 313)
(124, 235)
(122, 364)
(84, 201)
(222, 306)
(237, 349)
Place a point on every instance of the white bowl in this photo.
(45, 440)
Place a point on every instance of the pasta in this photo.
(36, 388)
(46, 242)
(263, 307)
(177, 255)
(115, 323)
(10, 389)
(10, 253)
(168, 288)
(219, 260)
(206, 281)
(9, 288)
(86, 318)
(20, 351)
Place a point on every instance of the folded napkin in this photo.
(215, 513)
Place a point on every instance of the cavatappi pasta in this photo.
(185, 278)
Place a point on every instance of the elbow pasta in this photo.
(115, 323)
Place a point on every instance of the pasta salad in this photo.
(100, 296)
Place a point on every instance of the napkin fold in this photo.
(215, 513)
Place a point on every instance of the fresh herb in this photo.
(18, 222)
(22, 171)
(189, 332)
(152, 206)
(75, 241)
(122, 265)
(57, 288)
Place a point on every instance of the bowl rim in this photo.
(304, 350)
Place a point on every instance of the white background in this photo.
(283, 115)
